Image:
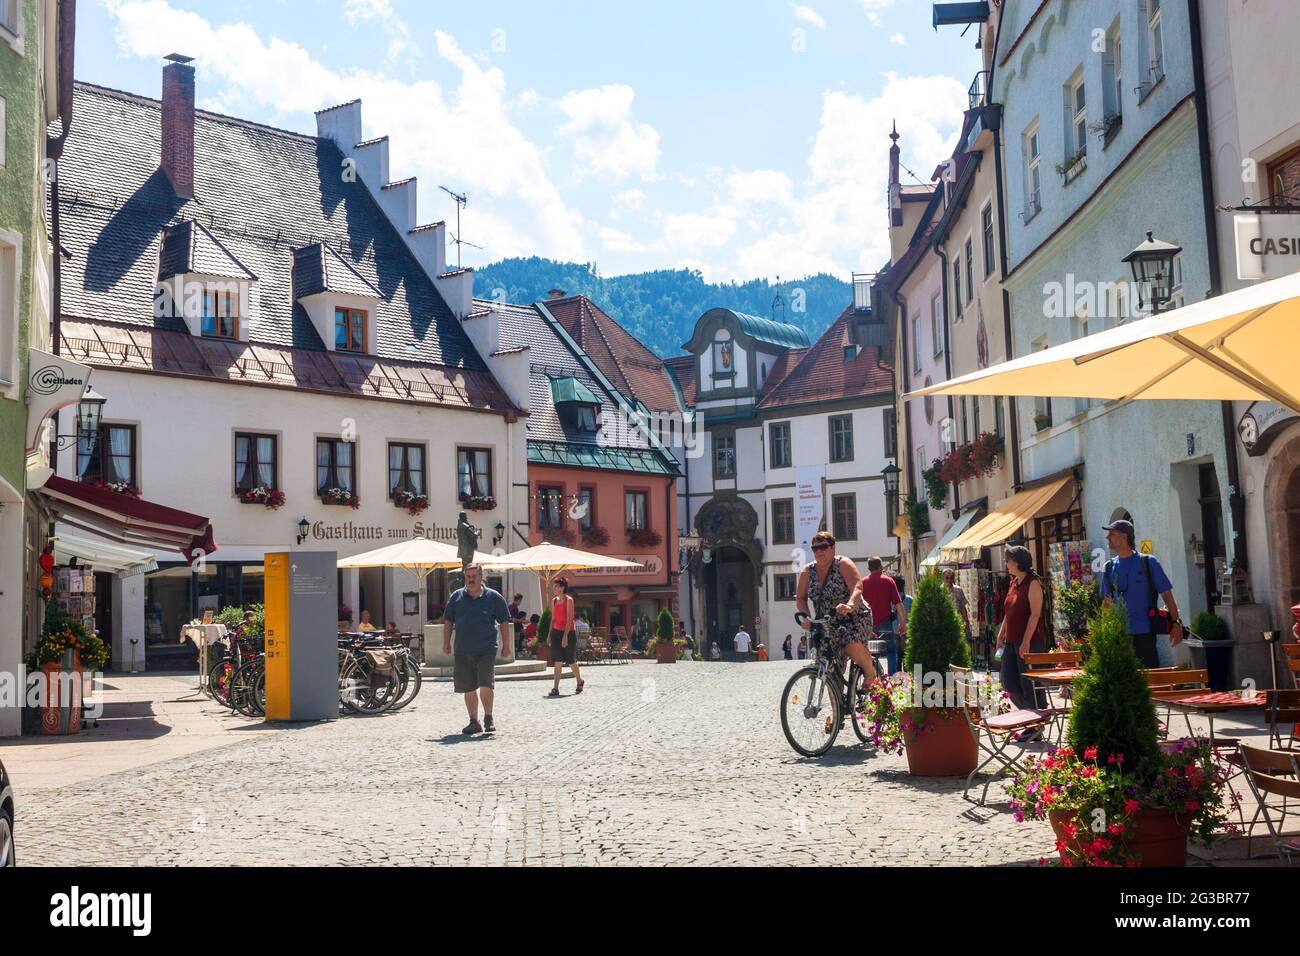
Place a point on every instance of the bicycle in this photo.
(817, 697)
(369, 685)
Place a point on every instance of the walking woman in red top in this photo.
(1023, 627)
(564, 639)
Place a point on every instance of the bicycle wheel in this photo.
(367, 692)
(810, 712)
(243, 690)
(857, 700)
(411, 682)
(219, 677)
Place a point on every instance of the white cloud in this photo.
(604, 139)
(687, 232)
(461, 137)
(806, 14)
(759, 186)
(898, 40)
(381, 12)
(872, 9)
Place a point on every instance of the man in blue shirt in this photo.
(481, 619)
(1136, 579)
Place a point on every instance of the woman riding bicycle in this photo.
(830, 582)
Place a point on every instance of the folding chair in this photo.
(1291, 654)
(1055, 660)
(1167, 683)
(1272, 773)
(994, 733)
(1282, 708)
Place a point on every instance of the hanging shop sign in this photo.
(1268, 244)
(1261, 423)
(52, 383)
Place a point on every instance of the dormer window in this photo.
(350, 330)
(220, 315)
(577, 405)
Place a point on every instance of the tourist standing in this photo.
(888, 615)
(958, 598)
(480, 618)
(1137, 580)
(1023, 630)
(786, 650)
(742, 644)
(564, 637)
(803, 646)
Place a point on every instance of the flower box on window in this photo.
(340, 496)
(412, 502)
(478, 502)
(975, 458)
(595, 537)
(119, 488)
(265, 495)
(644, 537)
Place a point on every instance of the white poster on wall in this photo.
(808, 480)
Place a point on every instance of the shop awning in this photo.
(1009, 517)
(958, 528)
(127, 520)
(1236, 346)
(102, 555)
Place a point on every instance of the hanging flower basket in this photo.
(271, 498)
(340, 496)
(936, 489)
(644, 537)
(478, 502)
(412, 502)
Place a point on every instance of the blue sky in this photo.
(740, 138)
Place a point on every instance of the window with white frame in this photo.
(936, 324)
(1042, 405)
(970, 268)
(1076, 133)
(10, 258)
(1033, 171)
(986, 230)
(1155, 45)
(10, 11)
(1112, 86)
(956, 285)
(1176, 300)
(916, 344)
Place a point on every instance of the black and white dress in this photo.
(825, 596)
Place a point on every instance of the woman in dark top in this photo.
(785, 647)
(1023, 628)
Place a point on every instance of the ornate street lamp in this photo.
(88, 412)
(500, 533)
(890, 473)
(1153, 271)
(304, 527)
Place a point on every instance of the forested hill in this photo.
(661, 307)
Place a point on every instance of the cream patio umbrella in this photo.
(550, 560)
(1240, 346)
(420, 556)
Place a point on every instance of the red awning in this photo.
(120, 517)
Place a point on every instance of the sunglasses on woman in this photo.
(821, 547)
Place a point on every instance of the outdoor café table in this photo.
(1054, 679)
(204, 636)
(1208, 704)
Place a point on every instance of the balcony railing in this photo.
(979, 89)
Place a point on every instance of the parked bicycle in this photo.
(819, 697)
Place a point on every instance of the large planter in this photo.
(61, 711)
(543, 651)
(944, 745)
(1156, 837)
(666, 652)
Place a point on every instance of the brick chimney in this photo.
(178, 124)
(556, 294)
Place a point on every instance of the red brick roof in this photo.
(632, 368)
(682, 368)
(821, 374)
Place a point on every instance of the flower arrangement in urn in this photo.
(1115, 795)
(62, 634)
(413, 502)
(271, 498)
(341, 496)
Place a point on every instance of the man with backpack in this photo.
(1139, 581)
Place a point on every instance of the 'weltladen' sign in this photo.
(1268, 244)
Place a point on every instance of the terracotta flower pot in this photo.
(666, 652)
(944, 746)
(1156, 837)
(543, 651)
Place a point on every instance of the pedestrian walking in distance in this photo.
(564, 636)
(482, 627)
(786, 652)
(742, 644)
(1023, 631)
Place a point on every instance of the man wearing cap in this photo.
(1137, 579)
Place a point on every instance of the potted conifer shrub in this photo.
(935, 733)
(1114, 794)
(665, 644)
(543, 649)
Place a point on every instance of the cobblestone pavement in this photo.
(650, 765)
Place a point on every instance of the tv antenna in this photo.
(461, 202)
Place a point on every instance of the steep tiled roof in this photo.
(318, 268)
(682, 368)
(188, 247)
(821, 373)
(261, 192)
(119, 346)
(631, 367)
(550, 357)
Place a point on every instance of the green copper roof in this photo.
(769, 330)
(643, 461)
(571, 390)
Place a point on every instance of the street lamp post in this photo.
(890, 473)
(1152, 263)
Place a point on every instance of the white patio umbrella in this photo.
(1236, 346)
(551, 560)
(419, 556)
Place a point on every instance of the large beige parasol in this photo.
(420, 556)
(551, 560)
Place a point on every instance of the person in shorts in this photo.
(564, 636)
(482, 627)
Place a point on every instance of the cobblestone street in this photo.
(650, 765)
